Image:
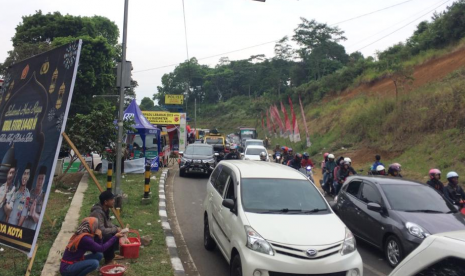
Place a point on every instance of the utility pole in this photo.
(195, 114)
(119, 145)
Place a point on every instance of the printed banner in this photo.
(174, 99)
(162, 118)
(34, 104)
(288, 132)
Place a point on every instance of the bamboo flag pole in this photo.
(31, 261)
(89, 170)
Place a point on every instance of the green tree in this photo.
(146, 104)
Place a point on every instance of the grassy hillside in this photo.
(422, 128)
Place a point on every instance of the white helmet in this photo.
(452, 174)
(380, 168)
(331, 156)
(347, 159)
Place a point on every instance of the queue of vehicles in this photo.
(245, 200)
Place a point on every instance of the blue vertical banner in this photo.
(34, 105)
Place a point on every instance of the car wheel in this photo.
(236, 266)
(182, 173)
(393, 251)
(208, 241)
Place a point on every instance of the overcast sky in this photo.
(156, 27)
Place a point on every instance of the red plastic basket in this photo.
(130, 251)
(104, 270)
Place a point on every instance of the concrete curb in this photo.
(52, 265)
(170, 242)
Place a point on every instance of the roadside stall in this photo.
(144, 144)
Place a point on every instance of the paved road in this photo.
(188, 195)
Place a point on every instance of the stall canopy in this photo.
(142, 125)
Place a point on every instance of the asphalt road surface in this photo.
(189, 194)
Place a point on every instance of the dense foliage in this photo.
(319, 65)
(40, 32)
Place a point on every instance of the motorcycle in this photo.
(308, 171)
(277, 157)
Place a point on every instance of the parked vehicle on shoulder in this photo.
(253, 153)
(394, 215)
(198, 158)
(440, 254)
(270, 220)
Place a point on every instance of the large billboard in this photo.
(34, 104)
(162, 118)
(174, 99)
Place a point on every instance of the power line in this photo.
(402, 26)
(370, 13)
(375, 34)
(261, 44)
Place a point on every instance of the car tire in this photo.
(182, 173)
(236, 266)
(393, 251)
(208, 241)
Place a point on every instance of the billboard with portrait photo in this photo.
(34, 104)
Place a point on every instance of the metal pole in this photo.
(119, 145)
(195, 114)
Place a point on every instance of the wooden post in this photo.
(83, 162)
(31, 261)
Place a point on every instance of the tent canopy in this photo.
(141, 124)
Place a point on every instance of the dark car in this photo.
(394, 215)
(198, 158)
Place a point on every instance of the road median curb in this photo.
(176, 262)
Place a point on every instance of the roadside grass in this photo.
(14, 263)
(154, 258)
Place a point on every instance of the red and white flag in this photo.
(295, 126)
(305, 123)
(288, 132)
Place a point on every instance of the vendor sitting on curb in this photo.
(74, 262)
(101, 211)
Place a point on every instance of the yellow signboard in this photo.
(162, 118)
(174, 99)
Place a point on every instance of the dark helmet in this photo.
(306, 155)
(298, 156)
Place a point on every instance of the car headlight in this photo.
(209, 161)
(255, 242)
(349, 245)
(416, 230)
(184, 160)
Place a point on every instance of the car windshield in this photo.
(265, 195)
(415, 198)
(254, 151)
(214, 141)
(195, 150)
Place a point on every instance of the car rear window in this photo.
(263, 194)
(254, 151)
(404, 197)
(199, 150)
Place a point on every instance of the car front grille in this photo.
(301, 253)
(342, 273)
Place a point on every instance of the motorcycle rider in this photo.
(263, 156)
(329, 170)
(276, 149)
(289, 157)
(233, 153)
(394, 170)
(377, 163)
(453, 192)
(306, 161)
(343, 172)
(434, 182)
(284, 154)
(296, 161)
(380, 170)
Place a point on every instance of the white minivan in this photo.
(270, 220)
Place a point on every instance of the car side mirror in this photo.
(229, 203)
(375, 207)
(217, 154)
(181, 153)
